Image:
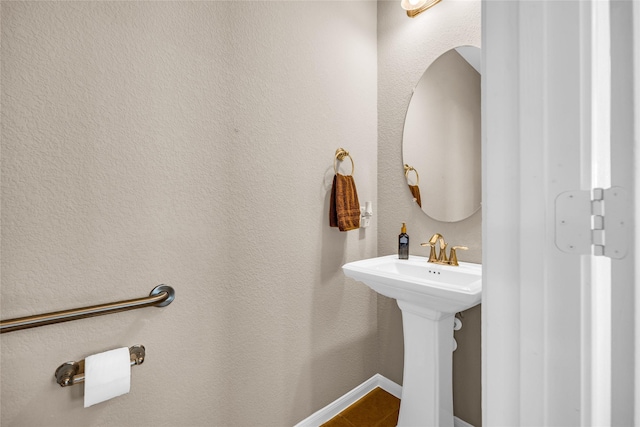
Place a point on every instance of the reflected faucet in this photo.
(442, 256)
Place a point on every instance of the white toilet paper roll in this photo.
(107, 375)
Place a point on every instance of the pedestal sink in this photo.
(429, 295)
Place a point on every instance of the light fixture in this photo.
(416, 7)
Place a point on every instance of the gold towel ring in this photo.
(341, 153)
(407, 169)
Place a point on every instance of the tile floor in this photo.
(378, 408)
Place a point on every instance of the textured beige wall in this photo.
(406, 47)
(187, 143)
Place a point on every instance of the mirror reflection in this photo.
(414, 185)
(441, 139)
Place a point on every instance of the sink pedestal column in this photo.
(427, 392)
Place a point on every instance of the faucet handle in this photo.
(432, 254)
(453, 258)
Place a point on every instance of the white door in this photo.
(560, 102)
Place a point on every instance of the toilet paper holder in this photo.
(71, 373)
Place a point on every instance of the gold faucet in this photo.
(442, 256)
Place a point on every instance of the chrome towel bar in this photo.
(160, 296)
(71, 373)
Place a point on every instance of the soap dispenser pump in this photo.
(403, 243)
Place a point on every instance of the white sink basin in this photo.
(429, 295)
(442, 288)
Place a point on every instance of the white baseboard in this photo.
(342, 403)
(457, 422)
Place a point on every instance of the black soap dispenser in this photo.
(403, 243)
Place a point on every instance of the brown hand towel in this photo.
(344, 211)
(415, 190)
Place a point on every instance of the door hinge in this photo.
(593, 222)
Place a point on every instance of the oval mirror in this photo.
(441, 139)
